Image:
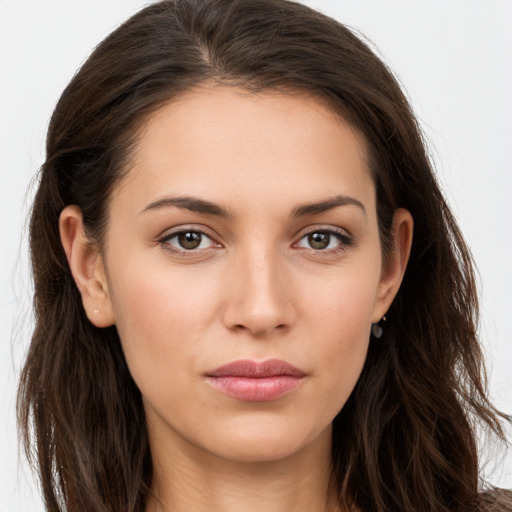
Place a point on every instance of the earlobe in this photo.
(87, 267)
(394, 268)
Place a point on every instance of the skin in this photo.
(255, 288)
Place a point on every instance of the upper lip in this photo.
(255, 369)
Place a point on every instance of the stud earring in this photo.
(377, 330)
(96, 311)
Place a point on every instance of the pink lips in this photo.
(256, 382)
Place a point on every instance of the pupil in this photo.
(319, 240)
(189, 240)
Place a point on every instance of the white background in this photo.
(454, 59)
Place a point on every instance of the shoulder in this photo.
(495, 500)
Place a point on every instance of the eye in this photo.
(188, 240)
(324, 240)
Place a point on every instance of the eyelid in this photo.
(328, 228)
(180, 228)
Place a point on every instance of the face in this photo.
(243, 270)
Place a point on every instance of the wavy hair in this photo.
(405, 440)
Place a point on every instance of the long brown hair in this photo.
(405, 440)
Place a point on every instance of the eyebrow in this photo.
(328, 204)
(190, 203)
(206, 207)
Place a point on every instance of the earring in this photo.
(96, 311)
(377, 330)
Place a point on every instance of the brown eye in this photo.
(319, 240)
(189, 240)
(327, 240)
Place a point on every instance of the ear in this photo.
(87, 268)
(394, 267)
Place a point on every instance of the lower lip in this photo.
(263, 389)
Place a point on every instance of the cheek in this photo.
(160, 318)
(345, 343)
(339, 319)
(342, 301)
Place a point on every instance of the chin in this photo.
(267, 442)
(260, 451)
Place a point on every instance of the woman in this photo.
(250, 292)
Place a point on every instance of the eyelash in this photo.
(344, 240)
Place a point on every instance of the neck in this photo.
(186, 478)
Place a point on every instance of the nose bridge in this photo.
(259, 298)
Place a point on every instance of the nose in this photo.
(259, 295)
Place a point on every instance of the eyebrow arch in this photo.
(328, 204)
(189, 203)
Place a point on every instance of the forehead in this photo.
(216, 140)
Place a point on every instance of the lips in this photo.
(256, 381)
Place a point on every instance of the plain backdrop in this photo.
(454, 59)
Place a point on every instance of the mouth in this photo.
(256, 381)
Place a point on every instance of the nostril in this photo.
(259, 330)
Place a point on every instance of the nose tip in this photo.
(259, 302)
(259, 313)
